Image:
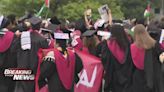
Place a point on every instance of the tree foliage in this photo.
(136, 8)
(75, 10)
(19, 7)
(133, 8)
(69, 9)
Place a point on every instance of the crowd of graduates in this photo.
(130, 52)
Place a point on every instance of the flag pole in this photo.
(148, 18)
(47, 13)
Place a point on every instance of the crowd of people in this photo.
(130, 53)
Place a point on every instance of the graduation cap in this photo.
(52, 27)
(46, 30)
(89, 33)
(103, 33)
(61, 36)
(34, 21)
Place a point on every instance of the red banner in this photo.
(91, 75)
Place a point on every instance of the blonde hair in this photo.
(142, 37)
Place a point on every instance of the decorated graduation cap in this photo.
(61, 36)
(89, 33)
(62, 40)
(103, 33)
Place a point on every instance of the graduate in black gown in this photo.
(27, 48)
(145, 51)
(60, 68)
(116, 60)
(7, 55)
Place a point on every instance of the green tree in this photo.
(75, 10)
(69, 9)
(19, 7)
(133, 8)
(136, 8)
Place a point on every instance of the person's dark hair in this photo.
(72, 25)
(141, 21)
(90, 43)
(22, 27)
(30, 13)
(154, 31)
(62, 43)
(119, 35)
(12, 18)
(55, 20)
(80, 25)
(36, 27)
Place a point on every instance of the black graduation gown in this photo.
(158, 69)
(99, 49)
(117, 76)
(8, 60)
(28, 59)
(149, 79)
(49, 72)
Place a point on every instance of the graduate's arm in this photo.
(110, 17)
(87, 22)
(78, 67)
(46, 70)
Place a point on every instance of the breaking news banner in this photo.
(19, 74)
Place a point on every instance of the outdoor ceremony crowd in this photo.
(49, 55)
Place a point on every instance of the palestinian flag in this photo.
(41, 10)
(147, 11)
(47, 3)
